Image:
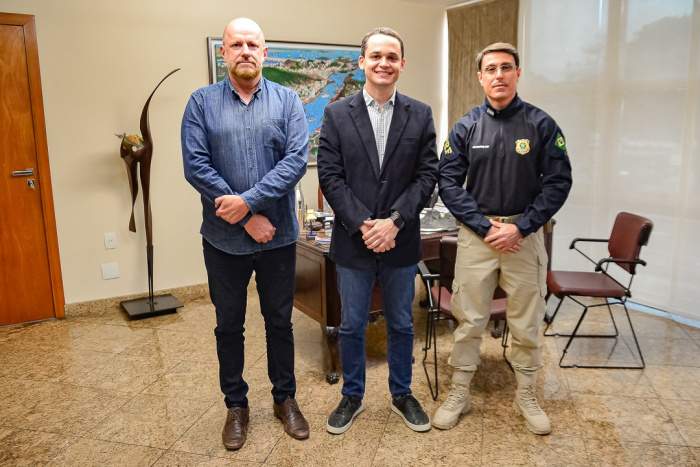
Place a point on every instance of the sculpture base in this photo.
(145, 308)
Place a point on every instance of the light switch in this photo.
(110, 271)
(110, 240)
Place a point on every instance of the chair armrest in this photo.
(425, 274)
(597, 240)
(599, 264)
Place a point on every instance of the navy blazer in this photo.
(357, 189)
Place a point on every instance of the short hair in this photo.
(498, 47)
(385, 31)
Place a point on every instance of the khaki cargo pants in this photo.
(522, 275)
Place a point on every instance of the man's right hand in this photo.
(494, 232)
(260, 228)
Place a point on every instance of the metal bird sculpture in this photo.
(136, 151)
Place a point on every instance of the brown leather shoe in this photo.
(295, 425)
(235, 428)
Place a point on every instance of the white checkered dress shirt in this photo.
(380, 116)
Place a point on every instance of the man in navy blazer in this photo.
(377, 166)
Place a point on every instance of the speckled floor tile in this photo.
(675, 382)
(686, 416)
(696, 453)
(59, 408)
(619, 419)
(533, 450)
(63, 364)
(188, 380)
(128, 374)
(675, 352)
(107, 338)
(151, 421)
(606, 453)
(355, 447)
(145, 386)
(657, 327)
(24, 447)
(204, 437)
(182, 459)
(628, 383)
(102, 453)
(461, 445)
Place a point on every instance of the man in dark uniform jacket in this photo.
(377, 166)
(513, 157)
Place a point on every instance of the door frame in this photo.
(42, 154)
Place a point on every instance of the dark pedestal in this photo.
(140, 308)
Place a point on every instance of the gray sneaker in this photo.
(408, 408)
(340, 420)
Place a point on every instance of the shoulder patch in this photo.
(560, 142)
(446, 148)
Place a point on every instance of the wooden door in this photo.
(30, 276)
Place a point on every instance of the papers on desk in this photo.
(436, 219)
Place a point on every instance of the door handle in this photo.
(23, 173)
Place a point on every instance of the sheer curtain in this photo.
(622, 79)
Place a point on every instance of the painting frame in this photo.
(318, 72)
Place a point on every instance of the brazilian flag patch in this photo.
(446, 148)
(560, 142)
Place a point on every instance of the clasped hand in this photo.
(231, 208)
(505, 238)
(379, 234)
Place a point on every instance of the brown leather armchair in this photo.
(629, 233)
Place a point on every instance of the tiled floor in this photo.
(100, 390)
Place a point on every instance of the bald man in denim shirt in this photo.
(244, 145)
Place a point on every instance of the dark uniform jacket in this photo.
(514, 161)
(358, 189)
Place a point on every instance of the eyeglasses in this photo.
(505, 69)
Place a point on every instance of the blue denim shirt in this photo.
(257, 151)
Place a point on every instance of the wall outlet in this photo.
(110, 270)
(110, 240)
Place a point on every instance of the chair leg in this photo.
(497, 332)
(585, 307)
(634, 335)
(612, 318)
(550, 319)
(504, 344)
(613, 336)
(431, 341)
(571, 338)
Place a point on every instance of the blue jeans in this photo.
(355, 287)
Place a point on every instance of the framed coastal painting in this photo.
(319, 73)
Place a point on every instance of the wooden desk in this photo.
(316, 293)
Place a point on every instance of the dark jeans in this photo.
(355, 287)
(228, 287)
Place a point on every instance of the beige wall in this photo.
(99, 60)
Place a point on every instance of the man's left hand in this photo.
(231, 208)
(505, 237)
(381, 235)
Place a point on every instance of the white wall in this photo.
(99, 60)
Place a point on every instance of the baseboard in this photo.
(99, 307)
